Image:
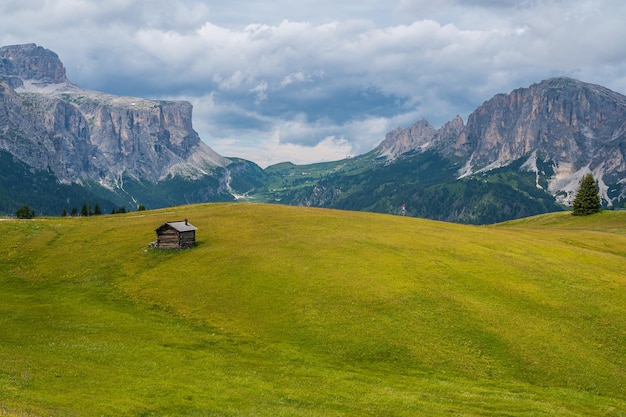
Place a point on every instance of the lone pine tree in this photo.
(587, 200)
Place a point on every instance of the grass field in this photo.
(290, 311)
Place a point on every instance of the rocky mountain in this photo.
(519, 154)
(88, 137)
(30, 62)
(419, 137)
(566, 126)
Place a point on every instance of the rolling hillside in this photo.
(291, 311)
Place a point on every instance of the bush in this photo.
(25, 212)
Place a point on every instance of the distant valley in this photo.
(518, 154)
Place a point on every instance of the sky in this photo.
(310, 81)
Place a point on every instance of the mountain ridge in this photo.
(520, 153)
(114, 127)
(574, 126)
(89, 137)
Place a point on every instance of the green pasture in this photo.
(291, 311)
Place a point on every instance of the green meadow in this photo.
(291, 311)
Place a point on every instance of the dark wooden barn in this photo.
(176, 235)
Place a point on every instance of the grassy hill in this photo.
(289, 311)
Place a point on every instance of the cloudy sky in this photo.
(308, 81)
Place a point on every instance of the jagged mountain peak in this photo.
(419, 137)
(402, 140)
(578, 127)
(30, 62)
(574, 126)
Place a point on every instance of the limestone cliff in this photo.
(419, 137)
(78, 134)
(573, 126)
(30, 62)
(402, 140)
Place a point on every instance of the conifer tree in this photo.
(25, 212)
(587, 200)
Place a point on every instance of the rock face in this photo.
(419, 137)
(30, 62)
(399, 141)
(573, 126)
(559, 129)
(51, 124)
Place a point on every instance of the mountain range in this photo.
(519, 154)
(85, 145)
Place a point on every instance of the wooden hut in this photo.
(176, 235)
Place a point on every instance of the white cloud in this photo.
(270, 150)
(260, 91)
(301, 77)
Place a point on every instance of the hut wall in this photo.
(187, 239)
(168, 239)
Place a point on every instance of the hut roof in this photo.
(182, 226)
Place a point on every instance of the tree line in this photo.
(587, 201)
(86, 210)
